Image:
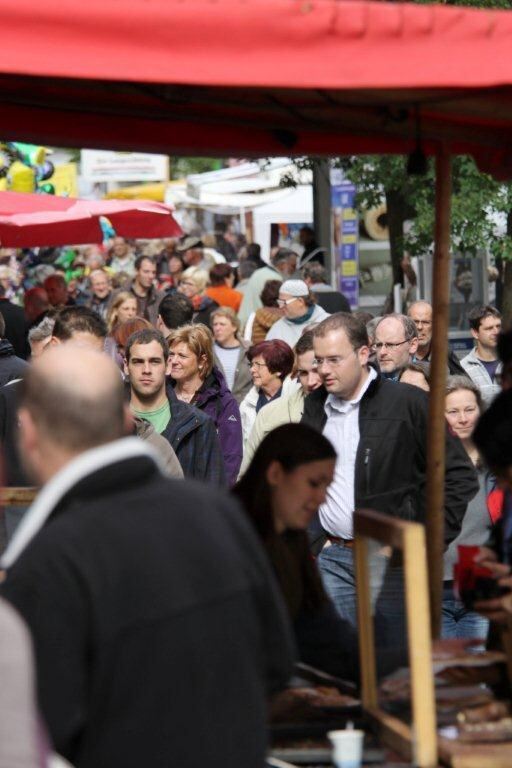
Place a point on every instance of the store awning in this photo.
(265, 77)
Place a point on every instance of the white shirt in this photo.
(342, 429)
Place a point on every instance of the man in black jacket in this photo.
(156, 625)
(379, 429)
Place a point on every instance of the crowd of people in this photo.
(201, 425)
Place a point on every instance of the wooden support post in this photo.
(436, 418)
(365, 625)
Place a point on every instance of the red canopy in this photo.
(256, 77)
(31, 220)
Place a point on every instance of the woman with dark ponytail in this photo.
(281, 492)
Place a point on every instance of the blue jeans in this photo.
(457, 620)
(336, 565)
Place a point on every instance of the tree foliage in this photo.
(181, 167)
(477, 202)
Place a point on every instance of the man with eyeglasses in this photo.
(421, 313)
(396, 341)
(379, 430)
(300, 311)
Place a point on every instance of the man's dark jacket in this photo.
(156, 625)
(391, 459)
(453, 363)
(16, 327)
(13, 466)
(194, 438)
(11, 367)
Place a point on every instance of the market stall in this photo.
(320, 77)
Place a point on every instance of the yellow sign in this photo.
(349, 238)
(349, 213)
(349, 268)
(65, 180)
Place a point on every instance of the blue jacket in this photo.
(193, 436)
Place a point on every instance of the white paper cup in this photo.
(347, 748)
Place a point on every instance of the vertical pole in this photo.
(436, 419)
(322, 209)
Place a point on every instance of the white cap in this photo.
(294, 288)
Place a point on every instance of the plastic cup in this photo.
(347, 748)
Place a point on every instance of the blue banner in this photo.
(345, 240)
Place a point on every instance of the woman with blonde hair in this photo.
(197, 381)
(122, 308)
(193, 284)
(231, 352)
(463, 406)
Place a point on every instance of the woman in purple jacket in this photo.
(198, 382)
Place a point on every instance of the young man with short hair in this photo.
(143, 288)
(190, 432)
(482, 364)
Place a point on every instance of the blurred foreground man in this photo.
(156, 626)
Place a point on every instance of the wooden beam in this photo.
(436, 418)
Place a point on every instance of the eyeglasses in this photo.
(254, 364)
(333, 361)
(389, 344)
(285, 302)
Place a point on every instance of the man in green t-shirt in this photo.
(190, 432)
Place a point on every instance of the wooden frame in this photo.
(419, 742)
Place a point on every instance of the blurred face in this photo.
(261, 376)
(307, 374)
(462, 412)
(416, 379)
(224, 331)
(100, 285)
(422, 316)
(488, 332)
(146, 274)
(57, 291)
(394, 351)
(127, 310)
(341, 368)
(183, 363)
(289, 267)
(293, 306)
(175, 265)
(146, 369)
(120, 247)
(193, 256)
(297, 495)
(188, 288)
